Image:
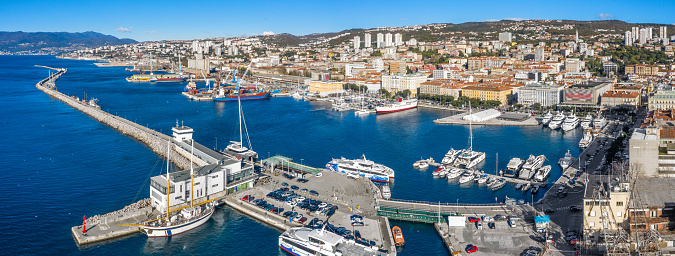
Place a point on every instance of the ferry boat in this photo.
(587, 123)
(187, 219)
(401, 105)
(398, 236)
(531, 165)
(557, 121)
(542, 173)
(361, 167)
(303, 241)
(566, 161)
(451, 156)
(571, 122)
(513, 167)
(454, 173)
(586, 140)
(547, 118)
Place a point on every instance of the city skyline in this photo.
(174, 20)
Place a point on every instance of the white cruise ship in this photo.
(542, 173)
(547, 118)
(361, 167)
(450, 156)
(556, 121)
(302, 241)
(571, 122)
(586, 140)
(398, 106)
(587, 123)
(531, 165)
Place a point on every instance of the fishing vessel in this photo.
(401, 105)
(571, 122)
(303, 241)
(587, 123)
(547, 118)
(361, 167)
(531, 165)
(398, 236)
(542, 173)
(557, 121)
(566, 161)
(468, 158)
(513, 167)
(451, 156)
(586, 140)
(183, 220)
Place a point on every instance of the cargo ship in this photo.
(401, 105)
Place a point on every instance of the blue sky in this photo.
(172, 19)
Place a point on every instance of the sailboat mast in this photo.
(192, 174)
(470, 130)
(241, 139)
(168, 148)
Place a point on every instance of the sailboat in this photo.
(237, 148)
(469, 158)
(188, 217)
(362, 111)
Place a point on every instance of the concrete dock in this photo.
(457, 119)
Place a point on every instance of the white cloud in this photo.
(491, 20)
(268, 33)
(125, 30)
(404, 19)
(514, 19)
(152, 32)
(605, 16)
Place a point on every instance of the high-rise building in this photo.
(398, 39)
(388, 40)
(663, 34)
(505, 37)
(576, 37)
(357, 43)
(628, 38)
(368, 41)
(636, 33)
(650, 33)
(583, 47)
(380, 40)
(643, 36)
(539, 54)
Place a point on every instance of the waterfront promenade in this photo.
(457, 119)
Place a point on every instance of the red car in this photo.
(474, 219)
(303, 220)
(471, 248)
(244, 198)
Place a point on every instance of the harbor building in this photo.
(586, 93)
(401, 82)
(325, 88)
(483, 115)
(545, 95)
(620, 98)
(502, 94)
(604, 206)
(444, 87)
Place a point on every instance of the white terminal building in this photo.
(220, 175)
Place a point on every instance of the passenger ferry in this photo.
(361, 167)
(302, 241)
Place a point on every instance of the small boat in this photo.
(519, 186)
(466, 177)
(386, 192)
(454, 173)
(362, 112)
(423, 165)
(490, 182)
(498, 184)
(441, 172)
(535, 189)
(398, 236)
(483, 179)
(542, 173)
(526, 187)
(451, 156)
(476, 176)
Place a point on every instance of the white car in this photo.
(297, 218)
(291, 203)
(319, 175)
(299, 199)
(323, 205)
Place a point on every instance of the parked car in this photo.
(479, 225)
(319, 175)
(284, 184)
(574, 208)
(512, 223)
(303, 219)
(357, 223)
(473, 219)
(245, 198)
(314, 192)
(295, 187)
(471, 248)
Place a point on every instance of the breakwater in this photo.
(156, 141)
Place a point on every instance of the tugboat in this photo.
(398, 236)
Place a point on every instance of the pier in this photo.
(457, 119)
(428, 212)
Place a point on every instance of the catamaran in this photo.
(361, 167)
(469, 159)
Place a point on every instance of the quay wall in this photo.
(156, 141)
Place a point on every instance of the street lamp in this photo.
(216, 148)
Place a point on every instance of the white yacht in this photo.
(547, 118)
(586, 140)
(451, 156)
(542, 173)
(530, 166)
(469, 158)
(498, 184)
(483, 179)
(466, 177)
(566, 161)
(571, 122)
(587, 123)
(361, 167)
(526, 187)
(513, 167)
(556, 121)
(302, 241)
(440, 172)
(598, 124)
(454, 173)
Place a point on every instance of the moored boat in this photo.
(401, 105)
(398, 236)
(361, 167)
